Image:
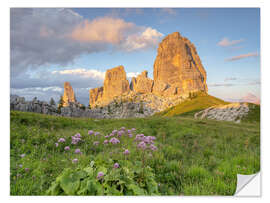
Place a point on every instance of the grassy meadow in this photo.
(192, 157)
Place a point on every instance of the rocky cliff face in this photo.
(178, 66)
(95, 95)
(115, 83)
(229, 112)
(177, 72)
(68, 96)
(142, 84)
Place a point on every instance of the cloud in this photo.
(230, 78)
(254, 54)
(221, 85)
(41, 37)
(149, 38)
(225, 42)
(82, 73)
(105, 30)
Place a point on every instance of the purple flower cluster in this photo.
(120, 133)
(67, 148)
(146, 142)
(76, 138)
(56, 144)
(78, 151)
(106, 142)
(114, 140)
(116, 165)
(75, 161)
(96, 133)
(96, 143)
(90, 132)
(61, 140)
(126, 152)
(100, 175)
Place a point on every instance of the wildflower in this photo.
(139, 137)
(106, 142)
(107, 136)
(130, 135)
(123, 128)
(56, 144)
(148, 139)
(129, 131)
(74, 161)
(75, 139)
(90, 132)
(97, 133)
(22, 155)
(19, 175)
(153, 147)
(26, 169)
(114, 140)
(120, 133)
(96, 143)
(77, 151)
(61, 140)
(78, 135)
(133, 129)
(142, 145)
(116, 165)
(20, 165)
(67, 148)
(114, 132)
(100, 175)
(126, 152)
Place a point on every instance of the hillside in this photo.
(197, 102)
(189, 157)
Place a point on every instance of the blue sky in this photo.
(227, 41)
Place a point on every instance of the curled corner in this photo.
(248, 185)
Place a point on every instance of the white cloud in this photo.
(225, 42)
(92, 73)
(254, 54)
(40, 37)
(149, 38)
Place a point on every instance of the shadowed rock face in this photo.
(68, 96)
(115, 83)
(142, 84)
(178, 65)
(95, 95)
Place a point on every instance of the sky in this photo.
(51, 46)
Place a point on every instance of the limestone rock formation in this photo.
(68, 96)
(229, 112)
(95, 95)
(115, 83)
(178, 65)
(142, 84)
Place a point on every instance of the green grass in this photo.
(190, 106)
(254, 113)
(193, 157)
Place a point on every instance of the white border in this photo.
(265, 73)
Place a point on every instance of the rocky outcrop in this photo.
(230, 112)
(20, 104)
(142, 84)
(95, 95)
(115, 83)
(178, 71)
(68, 96)
(112, 110)
(178, 65)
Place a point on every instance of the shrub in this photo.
(105, 179)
